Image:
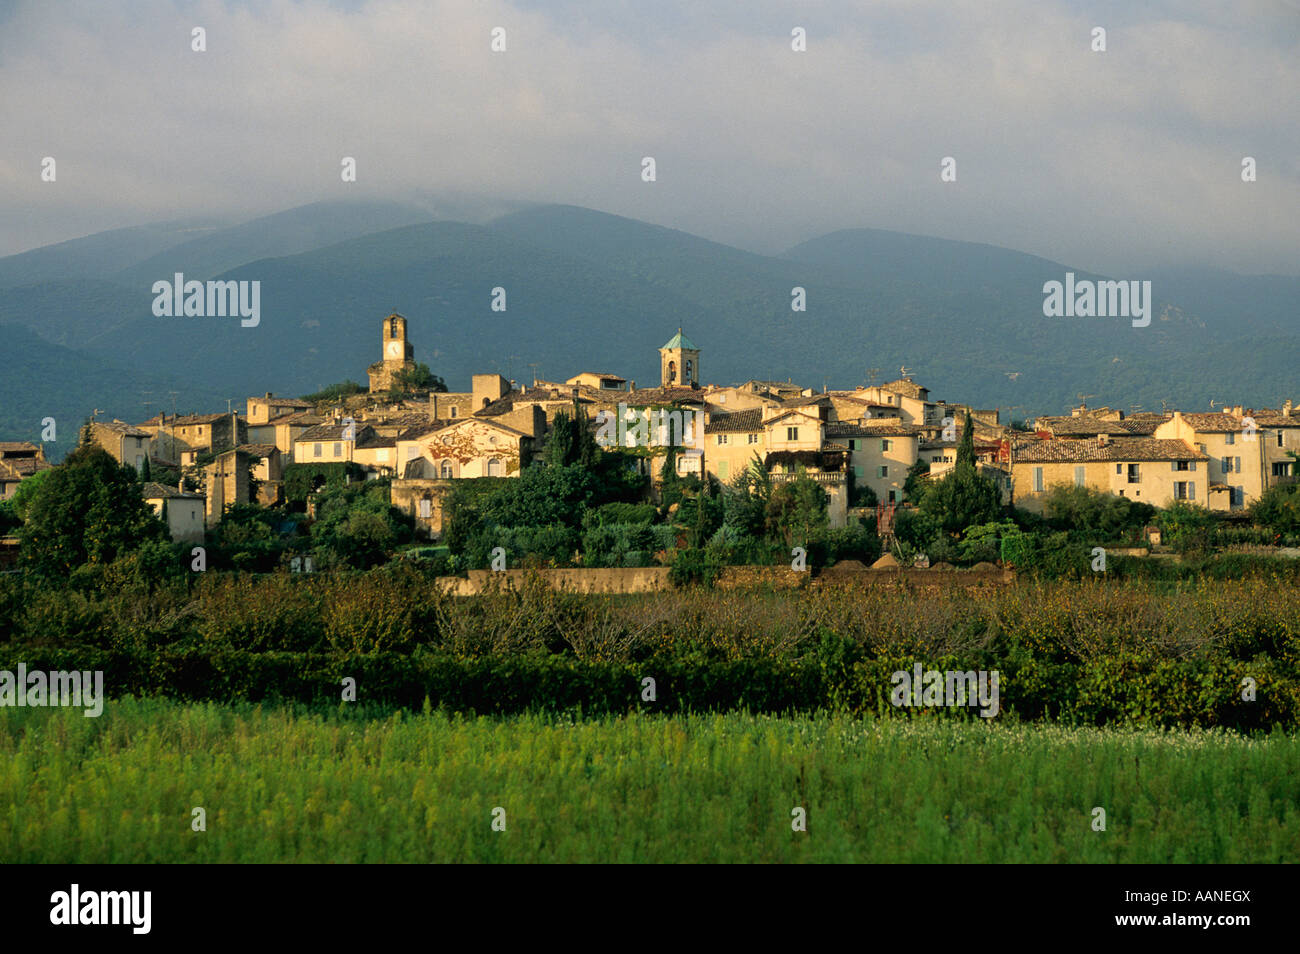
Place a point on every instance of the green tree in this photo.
(1186, 526)
(744, 500)
(796, 510)
(87, 510)
(966, 446)
(335, 392)
(571, 440)
(916, 484)
(1278, 508)
(417, 377)
(963, 497)
(1070, 507)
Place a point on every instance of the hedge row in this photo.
(1125, 689)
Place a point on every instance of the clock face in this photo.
(394, 349)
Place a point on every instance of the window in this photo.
(1119, 468)
(857, 471)
(1230, 438)
(722, 439)
(1079, 478)
(1134, 476)
(884, 470)
(1238, 496)
(1236, 466)
(853, 444)
(893, 496)
(494, 467)
(1279, 439)
(445, 470)
(885, 445)
(315, 450)
(1038, 480)
(792, 433)
(338, 449)
(452, 411)
(753, 438)
(1182, 465)
(426, 508)
(1180, 490)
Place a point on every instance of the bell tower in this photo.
(679, 363)
(397, 354)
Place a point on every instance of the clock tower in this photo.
(397, 354)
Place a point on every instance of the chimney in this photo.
(1237, 410)
(269, 394)
(1287, 408)
(1103, 440)
(631, 386)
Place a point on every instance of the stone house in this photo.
(474, 447)
(330, 443)
(262, 410)
(184, 513)
(1150, 470)
(1236, 452)
(422, 498)
(228, 480)
(126, 443)
(18, 461)
(179, 439)
(284, 431)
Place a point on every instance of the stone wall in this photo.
(649, 579)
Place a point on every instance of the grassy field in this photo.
(283, 785)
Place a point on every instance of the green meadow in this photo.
(295, 784)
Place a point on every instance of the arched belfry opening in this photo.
(679, 363)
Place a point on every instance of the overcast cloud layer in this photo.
(1107, 161)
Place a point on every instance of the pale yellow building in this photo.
(1236, 452)
(183, 512)
(126, 443)
(1149, 470)
(474, 447)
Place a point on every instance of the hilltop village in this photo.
(859, 445)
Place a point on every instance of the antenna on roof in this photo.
(1214, 404)
(871, 376)
(904, 370)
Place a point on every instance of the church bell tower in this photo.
(679, 363)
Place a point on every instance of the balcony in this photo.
(833, 479)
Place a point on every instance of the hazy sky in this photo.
(1107, 161)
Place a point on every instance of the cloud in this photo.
(1108, 161)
